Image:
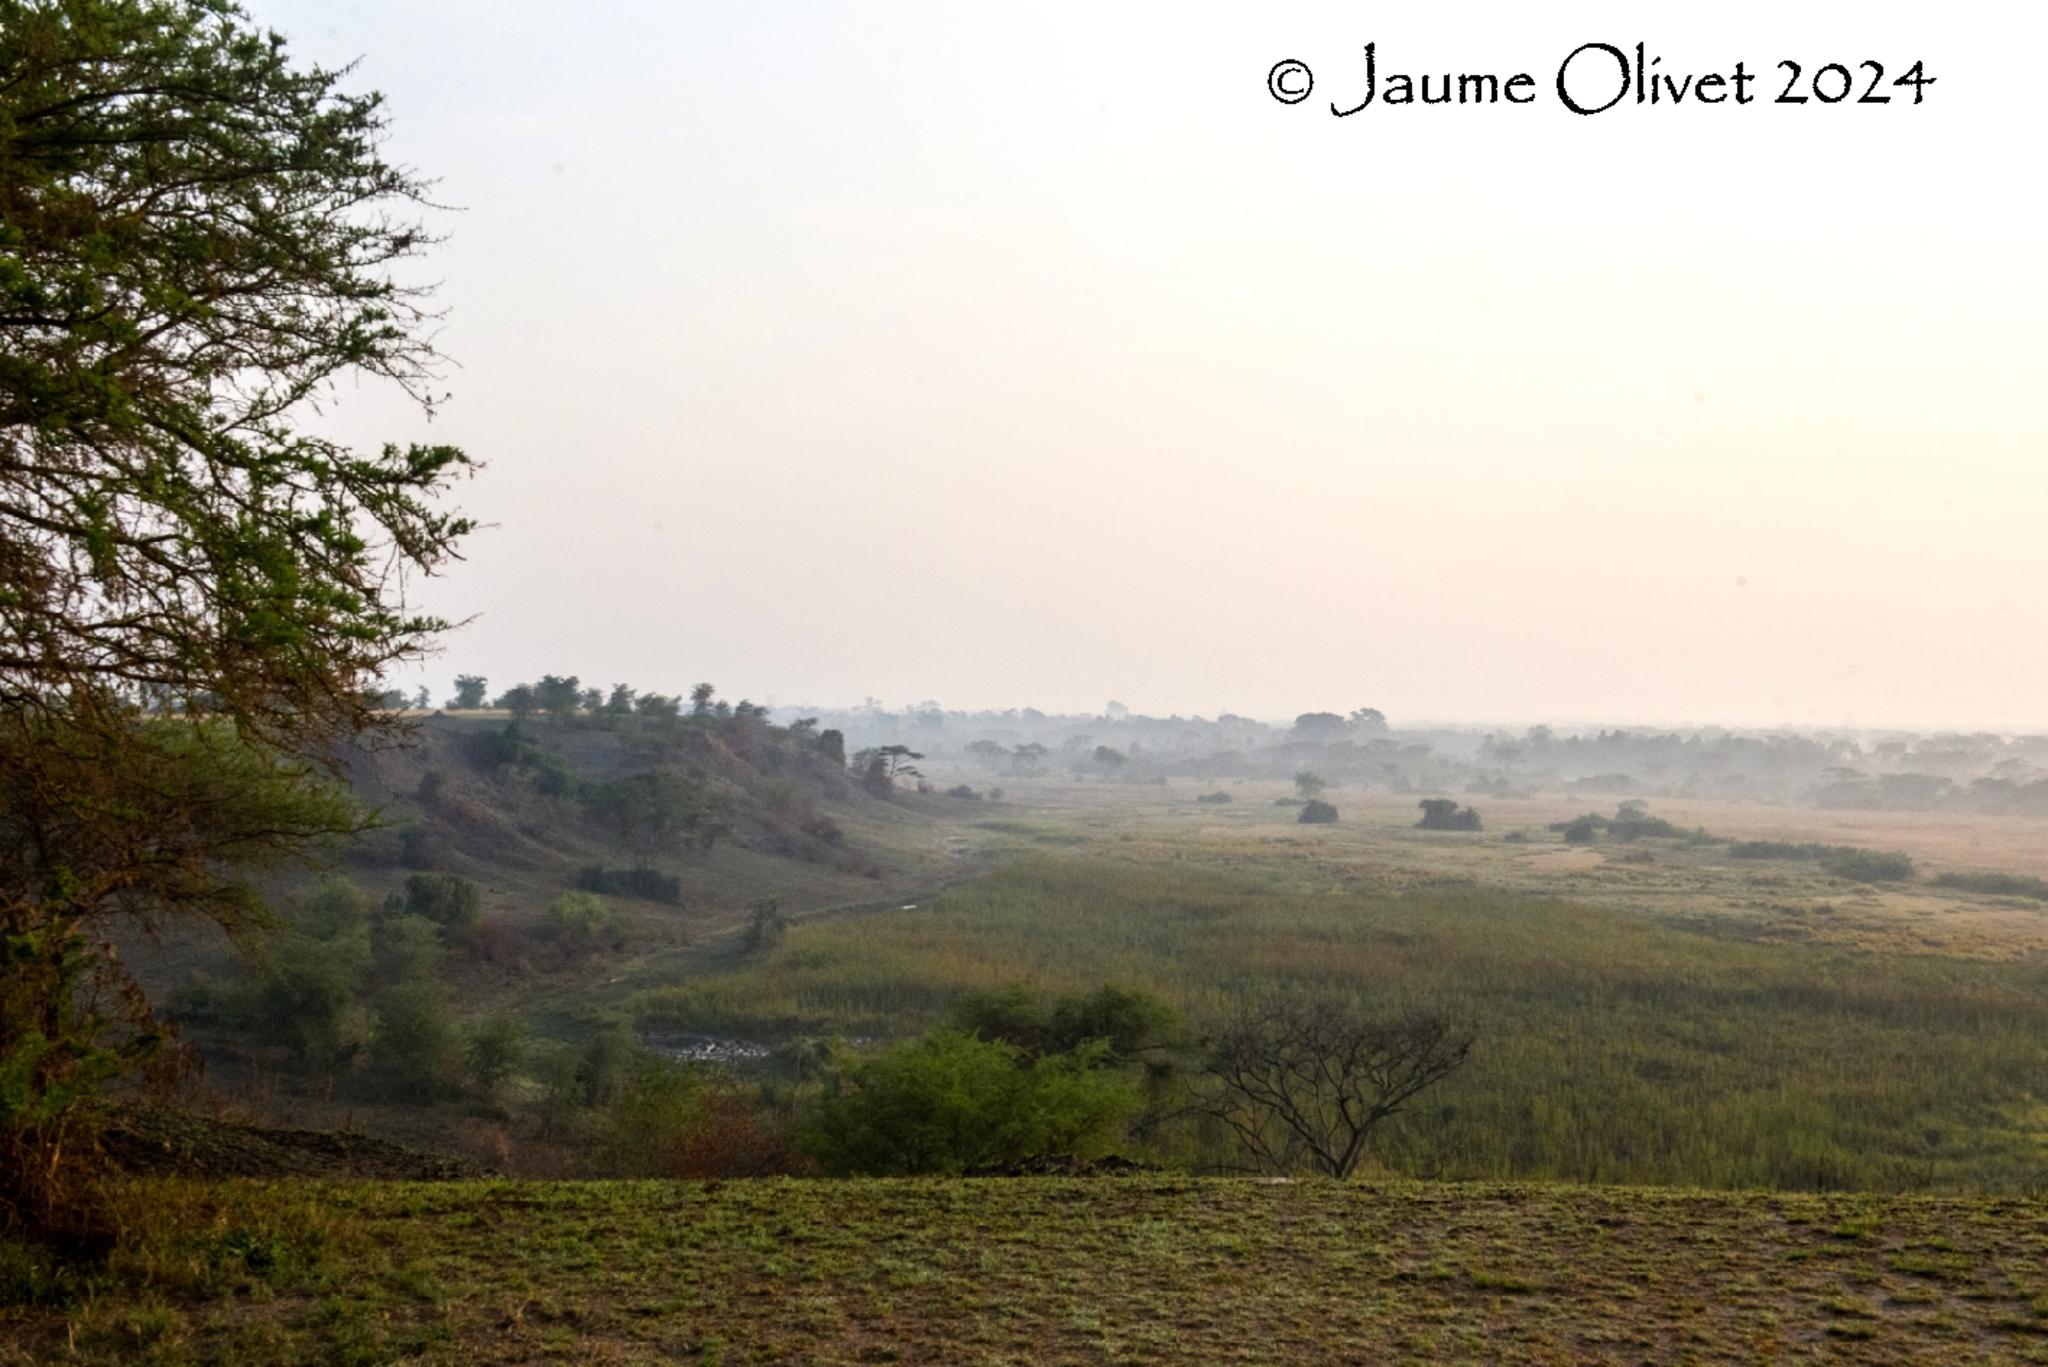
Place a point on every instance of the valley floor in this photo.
(1132, 1269)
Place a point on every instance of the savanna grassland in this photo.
(1717, 1108)
(1654, 1012)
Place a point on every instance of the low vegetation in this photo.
(1607, 1046)
(1025, 1270)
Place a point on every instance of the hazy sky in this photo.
(1011, 354)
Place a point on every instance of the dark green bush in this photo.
(1584, 831)
(645, 884)
(416, 1053)
(949, 1102)
(1869, 866)
(1316, 812)
(448, 900)
(1442, 814)
(1996, 884)
(1038, 1024)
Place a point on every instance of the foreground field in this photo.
(1083, 1270)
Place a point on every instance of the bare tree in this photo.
(1300, 1081)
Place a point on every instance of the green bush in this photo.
(417, 1052)
(579, 919)
(306, 997)
(336, 908)
(1038, 1024)
(951, 1103)
(497, 1048)
(1316, 812)
(407, 949)
(448, 900)
(609, 1062)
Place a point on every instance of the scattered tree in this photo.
(881, 766)
(469, 692)
(1302, 1082)
(497, 1049)
(1317, 728)
(1442, 814)
(832, 745)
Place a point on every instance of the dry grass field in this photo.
(1376, 842)
(1043, 1270)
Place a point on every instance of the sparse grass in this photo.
(1032, 1270)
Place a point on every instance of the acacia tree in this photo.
(1305, 1082)
(197, 238)
(880, 767)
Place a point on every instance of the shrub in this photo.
(336, 908)
(1316, 812)
(1781, 849)
(1996, 884)
(657, 812)
(645, 884)
(1442, 814)
(961, 790)
(608, 1064)
(579, 919)
(766, 924)
(1638, 826)
(408, 949)
(1842, 861)
(676, 1123)
(1583, 831)
(448, 900)
(306, 998)
(949, 1102)
(1127, 1022)
(497, 1047)
(417, 848)
(416, 1051)
(1218, 797)
(1869, 866)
